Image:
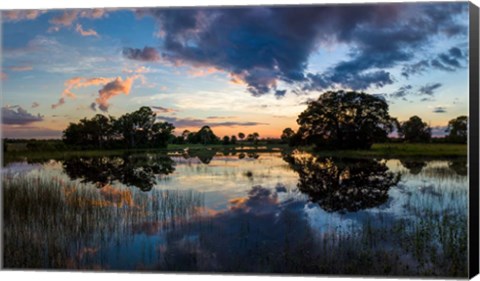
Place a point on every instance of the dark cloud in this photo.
(145, 54)
(191, 122)
(35, 104)
(16, 115)
(416, 68)
(93, 106)
(429, 89)
(402, 92)
(162, 109)
(440, 109)
(451, 60)
(280, 93)
(263, 45)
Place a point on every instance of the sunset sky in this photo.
(237, 69)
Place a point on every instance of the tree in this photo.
(233, 139)
(226, 140)
(241, 136)
(255, 137)
(287, 135)
(345, 120)
(457, 130)
(415, 130)
(136, 129)
(206, 136)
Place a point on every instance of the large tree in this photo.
(345, 120)
(458, 130)
(415, 130)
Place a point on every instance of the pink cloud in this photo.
(89, 32)
(3, 76)
(114, 88)
(65, 19)
(18, 15)
(81, 82)
(20, 68)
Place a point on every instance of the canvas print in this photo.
(302, 139)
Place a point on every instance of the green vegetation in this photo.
(396, 150)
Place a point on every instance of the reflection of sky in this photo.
(267, 200)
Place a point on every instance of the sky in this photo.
(250, 69)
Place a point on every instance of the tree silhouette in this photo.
(241, 136)
(226, 140)
(343, 185)
(458, 130)
(287, 135)
(415, 130)
(345, 120)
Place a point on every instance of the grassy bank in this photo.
(386, 150)
(398, 150)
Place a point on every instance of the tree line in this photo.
(140, 129)
(352, 120)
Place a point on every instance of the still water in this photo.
(245, 212)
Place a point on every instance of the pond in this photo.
(249, 212)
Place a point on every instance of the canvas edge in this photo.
(473, 146)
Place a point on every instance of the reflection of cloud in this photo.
(258, 229)
(16, 115)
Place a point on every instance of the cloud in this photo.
(19, 15)
(29, 132)
(20, 68)
(429, 89)
(60, 102)
(145, 54)
(191, 122)
(161, 109)
(402, 92)
(439, 131)
(82, 82)
(16, 115)
(450, 61)
(93, 106)
(67, 18)
(114, 88)
(260, 46)
(35, 104)
(440, 109)
(89, 32)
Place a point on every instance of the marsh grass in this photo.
(50, 223)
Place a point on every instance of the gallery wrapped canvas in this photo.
(336, 139)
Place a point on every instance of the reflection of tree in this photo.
(414, 167)
(343, 185)
(138, 171)
(459, 166)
